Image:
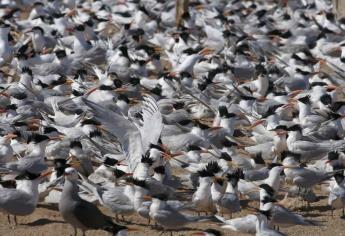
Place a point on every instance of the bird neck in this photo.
(304, 110)
(3, 38)
(139, 194)
(70, 190)
(37, 149)
(194, 156)
(158, 177)
(262, 85)
(294, 136)
(142, 171)
(80, 42)
(228, 124)
(204, 185)
(38, 41)
(342, 52)
(273, 179)
(230, 188)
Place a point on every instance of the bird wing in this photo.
(245, 224)
(90, 216)
(12, 197)
(153, 122)
(126, 132)
(31, 164)
(283, 216)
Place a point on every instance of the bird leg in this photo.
(148, 222)
(15, 220)
(123, 218)
(75, 231)
(161, 233)
(9, 219)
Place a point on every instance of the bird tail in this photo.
(114, 228)
(202, 218)
(314, 222)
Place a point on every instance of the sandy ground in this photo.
(46, 221)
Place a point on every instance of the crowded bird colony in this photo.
(203, 123)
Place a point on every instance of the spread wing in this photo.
(152, 122)
(126, 132)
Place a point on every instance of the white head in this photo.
(71, 173)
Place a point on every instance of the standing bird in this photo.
(230, 203)
(23, 199)
(80, 213)
(6, 49)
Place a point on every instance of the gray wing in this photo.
(31, 164)
(246, 224)
(116, 200)
(231, 202)
(12, 196)
(15, 202)
(170, 218)
(90, 216)
(153, 122)
(283, 216)
(127, 133)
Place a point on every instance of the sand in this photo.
(46, 221)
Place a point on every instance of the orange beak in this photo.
(121, 90)
(59, 137)
(91, 91)
(256, 123)
(129, 229)
(331, 87)
(295, 93)
(147, 198)
(5, 94)
(10, 136)
(45, 174)
(69, 81)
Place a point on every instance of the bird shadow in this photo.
(315, 208)
(312, 215)
(53, 207)
(43, 221)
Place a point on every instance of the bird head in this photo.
(71, 173)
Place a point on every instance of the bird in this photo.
(80, 213)
(23, 199)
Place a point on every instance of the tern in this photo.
(80, 213)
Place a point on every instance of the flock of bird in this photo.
(110, 103)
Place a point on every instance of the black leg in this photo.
(9, 219)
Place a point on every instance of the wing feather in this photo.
(152, 124)
(126, 132)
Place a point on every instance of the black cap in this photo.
(37, 138)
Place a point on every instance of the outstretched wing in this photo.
(126, 132)
(152, 122)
